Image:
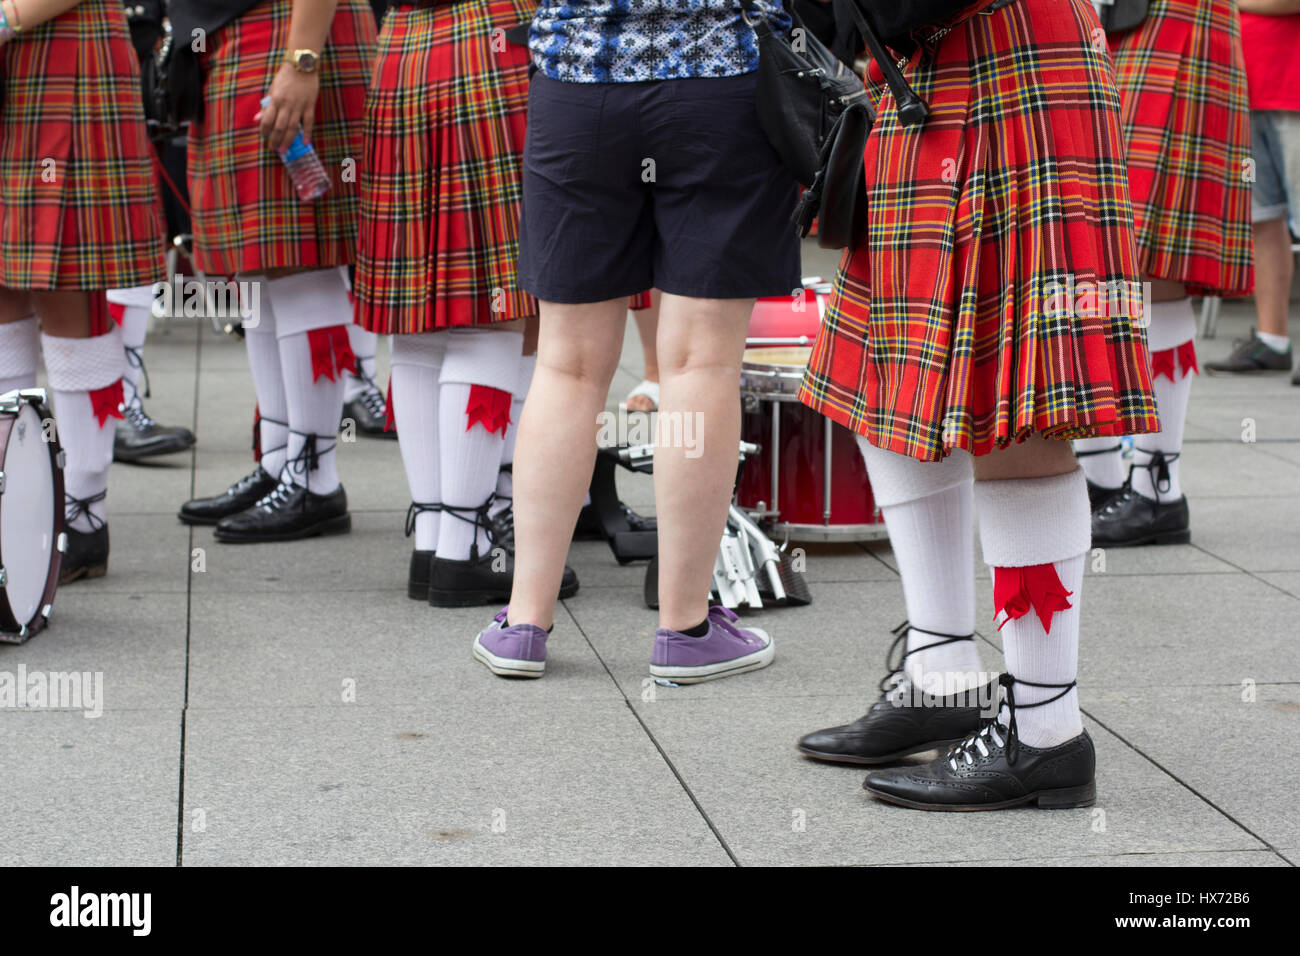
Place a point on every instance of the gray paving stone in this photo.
(89, 792)
(836, 645)
(1227, 749)
(738, 758)
(137, 641)
(482, 782)
(1245, 531)
(149, 554)
(1212, 470)
(305, 648)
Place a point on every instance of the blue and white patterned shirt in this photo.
(630, 41)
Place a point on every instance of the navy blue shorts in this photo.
(668, 184)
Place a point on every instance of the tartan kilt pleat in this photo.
(946, 328)
(78, 200)
(1186, 117)
(441, 182)
(246, 217)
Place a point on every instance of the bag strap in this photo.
(912, 110)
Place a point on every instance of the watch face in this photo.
(306, 62)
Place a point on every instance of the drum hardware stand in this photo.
(632, 537)
(749, 570)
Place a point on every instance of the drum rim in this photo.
(10, 408)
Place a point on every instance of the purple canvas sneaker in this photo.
(725, 650)
(514, 650)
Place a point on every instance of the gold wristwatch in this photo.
(304, 61)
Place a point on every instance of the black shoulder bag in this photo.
(1121, 16)
(802, 91)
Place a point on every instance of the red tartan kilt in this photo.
(943, 331)
(246, 217)
(1187, 131)
(441, 182)
(78, 202)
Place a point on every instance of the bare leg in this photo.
(700, 347)
(577, 354)
(647, 324)
(1274, 266)
(15, 305)
(1036, 457)
(64, 315)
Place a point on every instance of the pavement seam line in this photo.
(1180, 781)
(189, 616)
(726, 848)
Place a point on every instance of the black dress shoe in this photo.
(485, 580)
(87, 555)
(1252, 355)
(1099, 495)
(288, 513)
(904, 720)
(370, 412)
(240, 496)
(1131, 519)
(138, 436)
(417, 583)
(978, 774)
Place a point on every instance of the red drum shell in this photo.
(801, 470)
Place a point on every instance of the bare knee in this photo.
(1035, 457)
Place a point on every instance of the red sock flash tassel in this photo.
(390, 419)
(1168, 361)
(489, 407)
(1016, 590)
(106, 402)
(331, 352)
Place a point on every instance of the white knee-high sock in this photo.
(416, 364)
(19, 354)
(506, 479)
(135, 304)
(1102, 461)
(311, 304)
(365, 344)
(78, 369)
(927, 509)
(315, 407)
(482, 363)
(1035, 534)
(1170, 339)
(268, 383)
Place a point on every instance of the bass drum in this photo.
(32, 539)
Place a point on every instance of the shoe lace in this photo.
(418, 508)
(135, 359)
(725, 618)
(277, 498)
(308, 458)
(136, 416)
(895, 682)
(1158, 468)
(479, 517)
(1007, 736)
(1099, 451)
(74, 508)
(373, 400)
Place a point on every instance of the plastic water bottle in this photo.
(310, 181)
